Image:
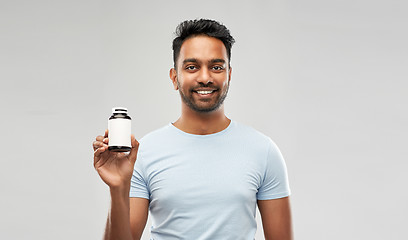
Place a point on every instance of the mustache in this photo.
(202, 85)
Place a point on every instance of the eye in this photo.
(218, 68)
(191, 67)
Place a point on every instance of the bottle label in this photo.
(119, 132)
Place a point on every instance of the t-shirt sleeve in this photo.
(138, 184)
(275, 183)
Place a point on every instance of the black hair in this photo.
(192, 28)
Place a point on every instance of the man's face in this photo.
(202, 76)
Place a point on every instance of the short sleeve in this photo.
(138, 184)
(275, 183)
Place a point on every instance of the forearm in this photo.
(118, 223)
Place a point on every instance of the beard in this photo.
(193, 104)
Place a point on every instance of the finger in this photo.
(99, 138)
(97, 154)
(133, 151)
(98, 144)
(106, 133)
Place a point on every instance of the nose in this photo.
(204, 76)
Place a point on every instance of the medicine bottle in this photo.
(119, 127)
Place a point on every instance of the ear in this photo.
(173, 77)
(229, 73)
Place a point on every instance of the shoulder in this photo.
(155, 140)
(252, 140)
(251, 134)
(153, 144)
(156, 134)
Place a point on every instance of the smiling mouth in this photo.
(205, 92)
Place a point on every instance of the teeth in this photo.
(204, 92)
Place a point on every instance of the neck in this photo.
(202, 123)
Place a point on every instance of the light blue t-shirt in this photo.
(207, 186)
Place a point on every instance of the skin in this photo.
(116, 169)
(202, 65)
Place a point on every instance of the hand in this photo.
(115, 168)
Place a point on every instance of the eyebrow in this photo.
(189, 60)
(194, 60)
(217, 60)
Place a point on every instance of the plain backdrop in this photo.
(326, 80)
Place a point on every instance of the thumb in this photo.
(133, 151)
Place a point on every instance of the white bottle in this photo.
(119, 127)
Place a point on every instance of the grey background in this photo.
(326, 80)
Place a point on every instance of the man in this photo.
(203, 175)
